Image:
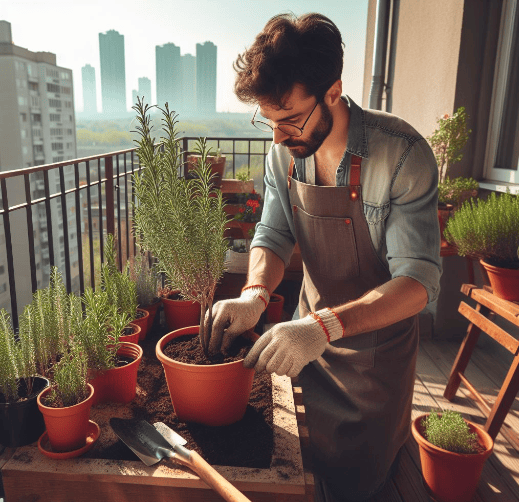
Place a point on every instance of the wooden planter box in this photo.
(29, 475)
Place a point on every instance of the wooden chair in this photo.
(481, 318)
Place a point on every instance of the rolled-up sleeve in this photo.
(412, 228)
(275, 231)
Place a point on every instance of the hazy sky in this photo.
(70, 29)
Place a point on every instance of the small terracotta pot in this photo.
(275, 308)
(134, 337)
(119, 385)
(67, 427)
(451, 477)
(504, 281)
(142, 322)
(152, 311)
(181, 313)
(207, 394)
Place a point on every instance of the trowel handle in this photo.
(212, 477)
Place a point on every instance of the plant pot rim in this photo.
(194, 367)
(47, 389)
(416, 428)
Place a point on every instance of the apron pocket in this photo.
(327, 245)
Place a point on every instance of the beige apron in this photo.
(358, 394)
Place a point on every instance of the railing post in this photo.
(109, 188)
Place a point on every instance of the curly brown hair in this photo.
(307, 50)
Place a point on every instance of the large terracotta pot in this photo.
(451, 477)
(275, 308)
(152, 311)
(504, 281)
(21, 422)
(67, 427)
(207, 394)
(142, 322)
(181, 313)
(119, 385)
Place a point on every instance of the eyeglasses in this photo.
(289, 129)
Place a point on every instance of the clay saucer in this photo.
(44, 446)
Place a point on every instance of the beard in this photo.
(321, 131)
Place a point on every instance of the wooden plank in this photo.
(491, 329)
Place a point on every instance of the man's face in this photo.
(298, 108)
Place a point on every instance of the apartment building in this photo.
(37, 126)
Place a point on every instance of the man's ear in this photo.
(334, 93)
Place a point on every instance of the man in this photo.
(357, 189)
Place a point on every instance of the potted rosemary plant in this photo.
(452, 453)
(122, 292)
(182, 222)
(21, 422)
(489, 230)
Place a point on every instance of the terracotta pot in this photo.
(451, 477)
(21, 422)
(275, 308)
(134, 337)
(445, 211)
(152, 311)
(504, 281)
(181, 313)
(67, 427)
(119, 385)
(142, 323)
(217, 168)
(207, 394)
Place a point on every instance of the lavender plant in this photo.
(181, 221)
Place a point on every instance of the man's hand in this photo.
(233, 317)
(289, 346)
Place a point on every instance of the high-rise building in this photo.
(206, 78)
(169, 75)
(37, 126)
(113, 73)
(188, 85)
(88, 75)
(145, 89)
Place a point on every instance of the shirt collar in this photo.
(357, 137)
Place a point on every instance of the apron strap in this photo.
(355, 176)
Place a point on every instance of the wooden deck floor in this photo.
(486, 371)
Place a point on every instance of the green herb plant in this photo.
(181, 221)
(450, 432)
(488, 229)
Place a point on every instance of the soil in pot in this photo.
(217, 445)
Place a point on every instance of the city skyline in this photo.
(146, 24)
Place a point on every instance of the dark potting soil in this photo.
(247, 443)
(187, 349)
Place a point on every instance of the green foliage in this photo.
(70, 377)
(120, 288)
(181, 221)
(450, 432)
(456, 190)
(146, 279)
(101, 329)
(448, 140)
(487, 229)
(8, 359)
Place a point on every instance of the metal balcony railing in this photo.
(59, 215)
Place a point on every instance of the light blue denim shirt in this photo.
(399, 179)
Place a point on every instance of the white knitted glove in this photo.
(289, 346)
(233, 317)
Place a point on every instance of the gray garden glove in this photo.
(289, 346)
(233, 317)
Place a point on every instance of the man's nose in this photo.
(279, 136)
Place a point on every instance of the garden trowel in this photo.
(151, 446)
